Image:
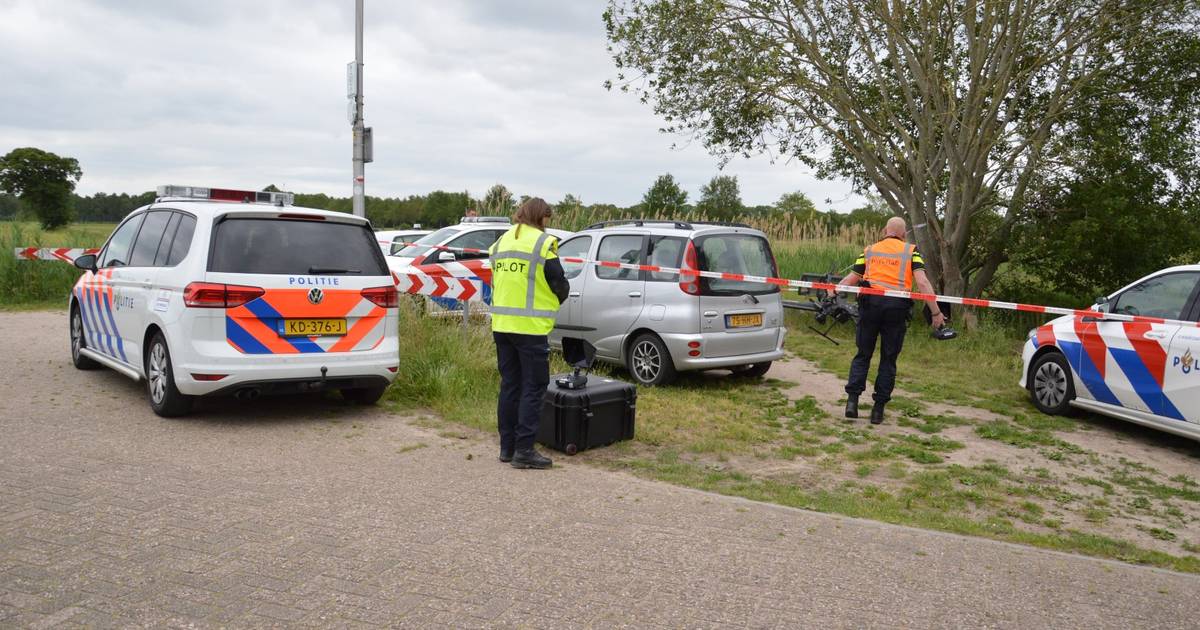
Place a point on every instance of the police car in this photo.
(392, 241)
(215, 291)
(1148, 373)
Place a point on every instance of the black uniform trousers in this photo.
(883, 320)
(524, 363)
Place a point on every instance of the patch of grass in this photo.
(407, 448)
(932, 424)
(934, 503)
(38, 283)
(1145, 485)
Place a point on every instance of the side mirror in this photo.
(86, 262)
(446, 257)
(1102, 304)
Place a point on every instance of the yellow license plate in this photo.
(743, 321)
(313, 327)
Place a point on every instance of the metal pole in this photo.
(360, 207)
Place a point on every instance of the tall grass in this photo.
(28, 282)
(778, 227)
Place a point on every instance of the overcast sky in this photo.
(461, 93)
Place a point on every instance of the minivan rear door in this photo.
(613, 298)
(751, 312)
(312, 270)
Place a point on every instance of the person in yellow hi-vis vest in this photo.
(888, 264)
(528, 286)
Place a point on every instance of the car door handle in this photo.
(573, 294)
(635, 294)
(710, 313)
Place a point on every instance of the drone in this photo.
(835, 309)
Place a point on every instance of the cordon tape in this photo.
(471, 288)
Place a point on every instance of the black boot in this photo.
(506, 454)
(852, 406)
(530, 458)
(877, 413)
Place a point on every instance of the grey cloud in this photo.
(462, 94)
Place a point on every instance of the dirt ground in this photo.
(1119, 480)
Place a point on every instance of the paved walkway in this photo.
(311, 513)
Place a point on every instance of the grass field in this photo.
(37, 283)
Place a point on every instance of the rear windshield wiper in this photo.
(320, 270)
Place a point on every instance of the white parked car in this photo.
(1148, 373)
(214, 291)
(392, 241)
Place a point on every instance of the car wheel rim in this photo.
(158, 373)
(647, 361)
(76, 335)
(1050, 384)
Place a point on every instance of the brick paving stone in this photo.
(264, 515)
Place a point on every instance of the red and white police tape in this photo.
(455, 288)
(804, 284)
(65, 254)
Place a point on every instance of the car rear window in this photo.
(735, 253)
(295, 247)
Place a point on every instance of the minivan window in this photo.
(735, 253)
(116, 253)
(295, 247)
(183, 239)
(574, 248)
(623, 248)
(148, 239)
(436, 238)
(164, 245)
(665, 251)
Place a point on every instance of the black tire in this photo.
(754, 370)
(79, 342)
(649, 362)
(364, 395)
(165, 398)
(1051, 386)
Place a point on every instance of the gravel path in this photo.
(309, 512)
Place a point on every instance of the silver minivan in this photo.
(658, 324)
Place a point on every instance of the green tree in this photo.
(42, 181)
(796, 204)
(497, 201)
(664, 196)
(945, 108)
(720, 198)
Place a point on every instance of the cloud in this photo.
(461, 94)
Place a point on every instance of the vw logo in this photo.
(316, 295)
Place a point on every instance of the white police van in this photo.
(1142, 372)
(213, 291)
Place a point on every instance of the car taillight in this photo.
(690, 284)
(214, 295)
(387, 297)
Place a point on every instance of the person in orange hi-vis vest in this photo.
(891, 263)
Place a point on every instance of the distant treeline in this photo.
(440, 208)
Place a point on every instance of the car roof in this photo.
(210, 209)
(671, 228)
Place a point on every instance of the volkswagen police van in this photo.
(212, 291)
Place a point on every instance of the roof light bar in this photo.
(485, 220)
(227, 194)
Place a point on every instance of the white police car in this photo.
(217, 291)
(1148, 373)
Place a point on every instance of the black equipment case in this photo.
(598, 414)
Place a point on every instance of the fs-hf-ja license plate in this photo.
(313, 327)
(748, 320)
